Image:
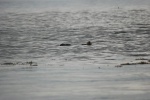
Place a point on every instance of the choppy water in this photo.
(38, 35)
(76, 72)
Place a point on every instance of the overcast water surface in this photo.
(76, 72)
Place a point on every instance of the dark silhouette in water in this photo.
(65, 44)
(88, 43)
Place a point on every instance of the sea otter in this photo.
(65, 44)
(88, 43)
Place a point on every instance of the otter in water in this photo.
(88, 43)
(65, 44)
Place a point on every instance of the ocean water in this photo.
(39, 34)
(78, 71)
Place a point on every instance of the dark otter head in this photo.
(89, 43)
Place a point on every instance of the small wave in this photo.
(139, 54)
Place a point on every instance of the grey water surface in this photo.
(76, 72)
